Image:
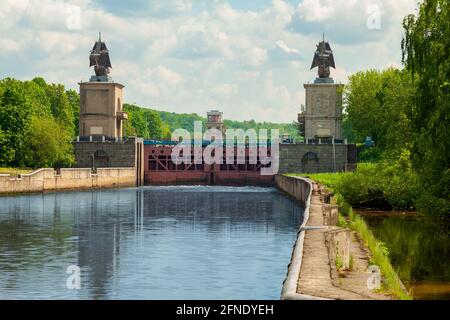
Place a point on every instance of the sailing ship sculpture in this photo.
(99, 59)
(323, 59)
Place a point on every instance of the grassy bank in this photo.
(348, 219)
(380, 253)
(14, 171)
(387, 186)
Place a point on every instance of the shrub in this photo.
(48, 145)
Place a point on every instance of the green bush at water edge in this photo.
(394, 184)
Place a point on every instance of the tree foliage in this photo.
(144, 123)
(378, 105)
(426, 55)
(27, 108)
(48, 144)
(16, 110)
(157, 124)
(407, 113)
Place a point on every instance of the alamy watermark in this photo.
(374, 13)
(73, 21)
(241, 147)
(73, 281)
(374, 280)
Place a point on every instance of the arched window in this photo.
(310, 156)
(310, 163)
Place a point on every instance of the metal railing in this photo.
(102, 139)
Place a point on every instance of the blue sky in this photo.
(246, 58)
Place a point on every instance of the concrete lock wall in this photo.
(67, 179)
(109, 154)
(300, 189)
(312, 158)
(338, 239)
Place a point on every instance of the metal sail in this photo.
(316, 61)
(100, 55)
(331, 61)
(323, 56)
(105, 61)
(92, 61)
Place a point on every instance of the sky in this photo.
(247, 58)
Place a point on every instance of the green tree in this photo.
(143, 122)
(377, 105)
(16, 111)
(48, 145)
(36, 90)
(74, 102)
(21, 104)
(166, 133)
(136, 124)
(154, 124)
(6, 152)
(426, 55)
(347, 129)
(61, 108)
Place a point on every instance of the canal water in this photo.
(419, 249)
(147, 243)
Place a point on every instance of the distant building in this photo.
(286, 138)
(214, 120)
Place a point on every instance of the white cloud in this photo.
(172, 7)
(153, 82)
(191, 56)
(9, 46)
(351, 21)
(318, 11)
(170, 77)
(146, 8)
(225, 90)
(11, 12)
(283, 46)
(282, 53)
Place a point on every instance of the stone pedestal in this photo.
(330, 214)
(338, 243)
(101, 111)
(323, 111)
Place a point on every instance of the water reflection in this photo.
(419, 250)
(150, 243)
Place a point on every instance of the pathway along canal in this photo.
(419, 249)
(148, 243)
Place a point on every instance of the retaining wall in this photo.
(315, 271)
(301, 189)
(120, 154)
(50, 180)
(323, 158)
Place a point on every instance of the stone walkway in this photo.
(318, 274)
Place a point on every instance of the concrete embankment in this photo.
(328, 262)
(67, 179)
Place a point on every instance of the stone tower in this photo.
(101, 143)
(322, 115)
(101, 99)
(215, 120)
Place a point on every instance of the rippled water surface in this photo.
(148, 243)
(419, 250)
